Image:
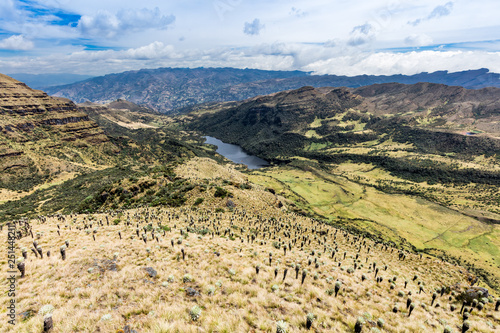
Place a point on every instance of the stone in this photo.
(127, 329)
(151, 272)
(192, 292)
(475, 293)
(23, 316)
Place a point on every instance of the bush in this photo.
(198, 201)
(220, 192)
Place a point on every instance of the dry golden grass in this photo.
(221, 267)
(242, 301)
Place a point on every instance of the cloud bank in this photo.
(16, 43)
(318, 59)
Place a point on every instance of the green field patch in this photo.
(424, 224)
(487, 246)
(312, 134)
(317, 146)
(316, 123)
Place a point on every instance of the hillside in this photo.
(424, 110)
(232, 264)
(168, 89)
(367, 156)
(54, 154)
(42, 138)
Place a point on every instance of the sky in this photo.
(343, 37)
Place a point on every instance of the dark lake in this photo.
(236, 154)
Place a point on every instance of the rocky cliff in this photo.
(42, 136)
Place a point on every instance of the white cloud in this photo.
(16, 42)
(418, 40)
(109, 25)
(202, 36)
(386, 63)
(297, 12)
(361, 34)
(253, 28)
(439, 11)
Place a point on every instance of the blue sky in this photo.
(347, 37)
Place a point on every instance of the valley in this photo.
(399, 182)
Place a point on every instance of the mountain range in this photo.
(168, 89)
(43, 81)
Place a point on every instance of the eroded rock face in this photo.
(42, 136)
(22, 110)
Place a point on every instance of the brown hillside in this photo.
(42, 136)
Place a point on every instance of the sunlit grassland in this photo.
(424, 224)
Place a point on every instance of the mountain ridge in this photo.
(168, 89)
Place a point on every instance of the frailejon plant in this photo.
(62, 249)
(281, 327)
(195, 313)
(309, 320)
(359, 325)
(338, 284)
(21, 266)
(48, 323)
(448, 329)
(465, 326)
(412, 307)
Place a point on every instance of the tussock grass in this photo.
(221, 263)
(243, 302)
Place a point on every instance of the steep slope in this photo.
(42, 136)
(56, 156)
(168, 89)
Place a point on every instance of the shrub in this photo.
(220, 192)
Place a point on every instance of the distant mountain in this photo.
(168, 89)
(42, 81)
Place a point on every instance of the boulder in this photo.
(151, 272)
(475, 293)
(192, 292)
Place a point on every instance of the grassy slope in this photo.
(423, 224)
(241, 301)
